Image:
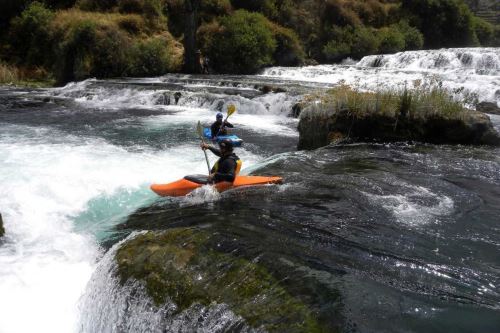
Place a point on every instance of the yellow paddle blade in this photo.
(231, 109)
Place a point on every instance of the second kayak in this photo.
(237, 142)
(191, 183)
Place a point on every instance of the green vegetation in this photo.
(75, 45)
(187, 267)
(420, 102)
(77, 39)
(34, 77)
(244, 43)
(444, 23)
(426, 113)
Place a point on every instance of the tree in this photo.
(444, 23)
(191, 58)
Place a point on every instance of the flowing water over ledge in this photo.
(375, 238)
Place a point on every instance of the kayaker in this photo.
(219, 127)
(228, 166)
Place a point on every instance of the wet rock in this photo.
(488, 107)
(2, 229)
(270, 89)
(164, 99)
(297, 109)
(321, 125)
(177, 96)
(189, 267)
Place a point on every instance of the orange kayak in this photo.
(191, 183)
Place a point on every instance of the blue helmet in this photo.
(219, 115)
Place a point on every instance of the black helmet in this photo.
(226, 144)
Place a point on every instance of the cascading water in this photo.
(404, 232)
(467, 73)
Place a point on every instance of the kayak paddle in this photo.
(200, 134)
(230, 110)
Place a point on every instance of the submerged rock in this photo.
(488, 107)
(188, 267)
(2, 230)
(323, 124)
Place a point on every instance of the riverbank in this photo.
(11, 75)
(427, 114)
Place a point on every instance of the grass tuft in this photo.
(421, 102)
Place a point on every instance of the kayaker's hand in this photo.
(204, 146)
(211, 177)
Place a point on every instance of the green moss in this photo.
(181, 265)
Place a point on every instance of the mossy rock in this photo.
(185, 266)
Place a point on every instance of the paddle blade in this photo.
(231, 109)
(199, 129)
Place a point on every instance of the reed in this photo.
(8, 74)
(420, 102)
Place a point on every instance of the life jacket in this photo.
(235, 158)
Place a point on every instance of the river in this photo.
(378, 238)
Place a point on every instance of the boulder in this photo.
(2, 230)
(188, 267)
(322, 124)
(488, 107)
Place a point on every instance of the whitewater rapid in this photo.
(467, 73)
(63, 190)
(77, 161)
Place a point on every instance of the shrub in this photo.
(391, 40)
(150, 57)
(30, 35)
(371, 12)
(133, 24)
(496, 40)
(96, 5)
(244, 44)
(206, 33)
(267, 7)
(484, 31)
(338, 14)
(349, 41)
(213, 8)
(414, 40)
(289, 50)
(420, 103)
(92, 49)
(8, 74)
(444, 23)
(363, 42)
(335, 51)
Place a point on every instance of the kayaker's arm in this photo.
(215, 151)
(228, 124)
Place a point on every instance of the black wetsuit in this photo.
(225, 167)
(217, 126)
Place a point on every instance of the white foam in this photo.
(417, 206)
(90, 95)
(47, 179)
(263, 124)
(462, 71)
